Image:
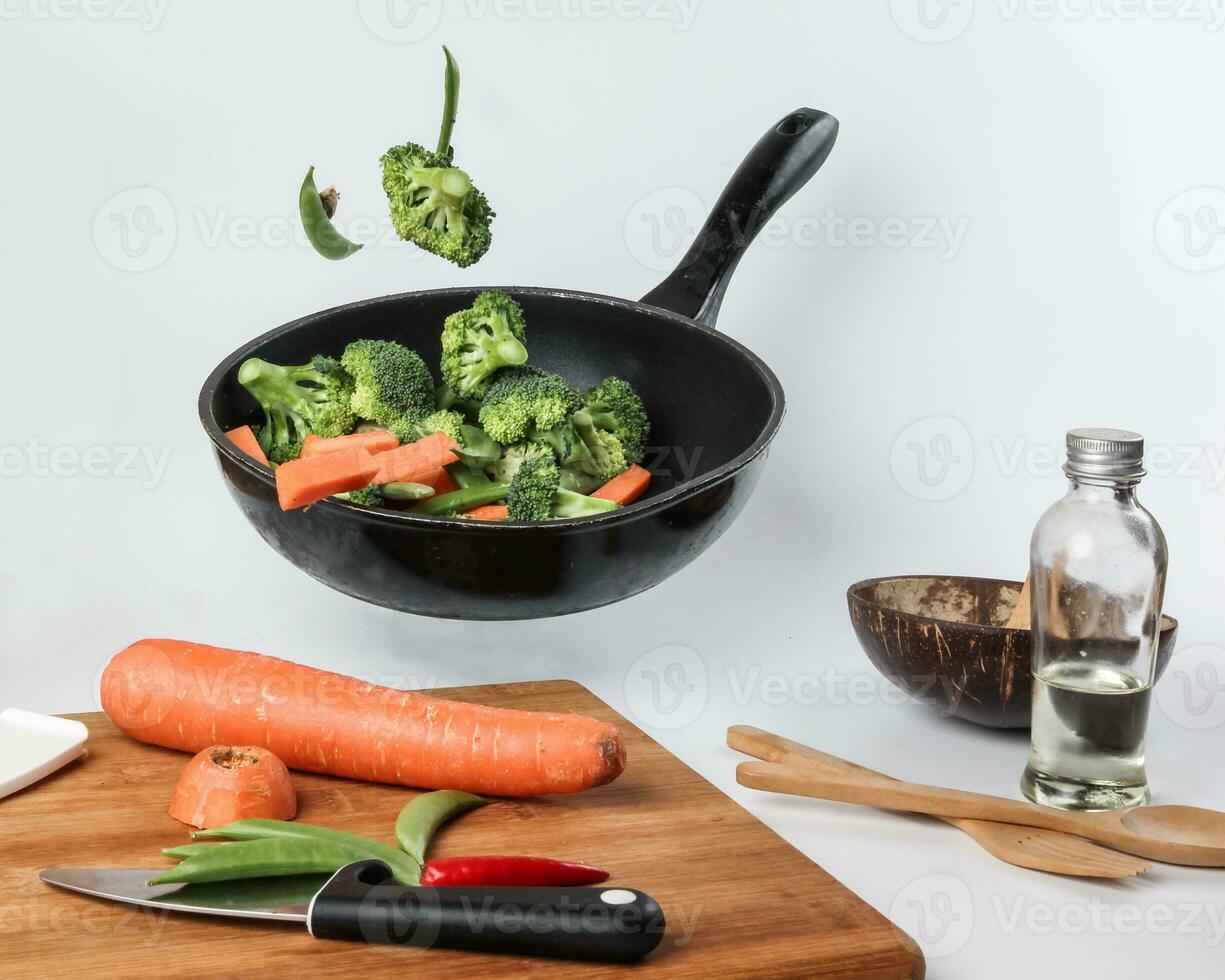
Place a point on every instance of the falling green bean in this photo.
(423, 815)
(320, 231)
(450, 101)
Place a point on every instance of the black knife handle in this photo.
(362, 902)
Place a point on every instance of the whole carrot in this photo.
(189, 696)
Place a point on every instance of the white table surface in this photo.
(1020, 231)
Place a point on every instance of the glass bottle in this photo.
(1097, 567)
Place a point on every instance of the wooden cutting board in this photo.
(739, 900)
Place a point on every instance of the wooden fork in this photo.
(1025, 847)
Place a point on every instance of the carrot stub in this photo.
(244, 438)
(626, 487)
(225, 783)
(415, 459)
(377, 441)
(302, 482)
(490, 512)
(188, 696)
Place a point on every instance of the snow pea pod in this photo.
(422, 816)
(266, 858)
(320, 231)
(403, 866)
(407, 491)
(460, 500)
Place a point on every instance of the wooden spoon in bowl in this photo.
(1175, 834)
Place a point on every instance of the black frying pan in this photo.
(708, 397)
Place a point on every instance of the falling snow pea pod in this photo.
(422, 816)
(405, 868)
(320, 231)
(266, 858)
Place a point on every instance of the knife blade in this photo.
(362, 902)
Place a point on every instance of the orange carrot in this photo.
(226, 783)
(301, 482)
(626, 487)
(415, 459)
(188, 696)
(490, 512)
(376, 441)
(440, 480)
(244, 438)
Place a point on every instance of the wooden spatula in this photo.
(1025, 847)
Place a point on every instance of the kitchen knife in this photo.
(362, 902)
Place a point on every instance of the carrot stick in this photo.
(440, 480)
(302, 482)
(626, 487)
(227, 783)
(244, 438)
(373, 442)
(490, 512)
(414, 459)
(188, 696)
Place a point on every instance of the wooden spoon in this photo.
(1025, 847)
(1176, 834)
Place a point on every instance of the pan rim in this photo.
(643, 508)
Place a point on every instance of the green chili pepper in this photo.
(267, 858)
(407, 491)
(259, 829)
(320, 231)
(426, 813)
(459, 500)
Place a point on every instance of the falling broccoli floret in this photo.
(530, 497)
(392, 385)
(480, 340)
(522, 397)
(615, 407)
(434, 205)
(297, 401)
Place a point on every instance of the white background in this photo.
(1070, 157)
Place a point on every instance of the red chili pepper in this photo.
(509, 871)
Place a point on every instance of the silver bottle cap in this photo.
(1108, 455)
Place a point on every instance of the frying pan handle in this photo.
(783, 160)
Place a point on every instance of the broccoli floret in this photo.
(615, 407)
(297, 401)
(588, 456)
(569, 504)
(392, 385)
(434, 205)
(443, 421)
(530, 497)
(480, 340)
(606, 457)
(368, 497)
(522, 397)
(504, 469)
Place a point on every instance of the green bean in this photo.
(474, 496)
(267, 858)
(450, 101)
(407, 491)
(320, 231)
(422, 816)
(401, 865)
(184, 851)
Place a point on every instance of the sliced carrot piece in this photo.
(626, 487)
(226, 783)
(415, 459)
(373, 442)
(302, 482)
(440, 480)
(490, 512)
(244, 438)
